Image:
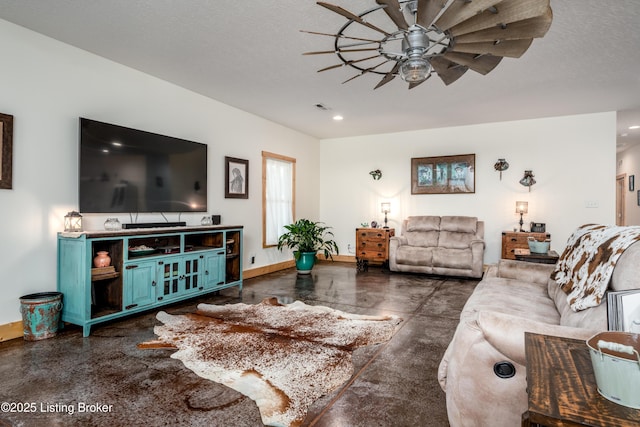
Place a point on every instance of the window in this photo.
(278, 195)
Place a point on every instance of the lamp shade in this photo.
(385, 207)
(522, 207)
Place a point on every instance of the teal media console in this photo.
(148, 268)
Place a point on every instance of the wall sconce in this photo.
(528, 180)
(501, 165)
(376, 174)
(73, 221)
(522, 208)
(385, 208)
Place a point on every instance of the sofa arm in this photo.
(527, 271)
(398, 241)
(506, 332)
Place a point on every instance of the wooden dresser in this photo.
(372, 245)
(518, 240)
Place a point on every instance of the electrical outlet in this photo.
(253, 259)
(591, 204)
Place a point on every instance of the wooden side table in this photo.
(512, 240)
(372, 245)
(562, 387)
(550, 257)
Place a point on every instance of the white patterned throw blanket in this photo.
(283, 356)
(586, 265)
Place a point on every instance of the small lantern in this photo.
(73, 221)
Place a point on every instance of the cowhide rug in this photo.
(284, 357)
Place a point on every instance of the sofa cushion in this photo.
(460, 224)
(455, 240)
(422, 239)
(414, 255)
(453, 258)
(423, 223)
(512, 296)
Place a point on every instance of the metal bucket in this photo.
(616, 364)
(40, 315)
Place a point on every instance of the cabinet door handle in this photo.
(206, 272)
(513, 239)
(153, 283)
(160, 298)
(131, 267)
(221, 253)
(201, 256)
(220, 283)
(130, 306)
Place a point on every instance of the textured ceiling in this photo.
(249, 55)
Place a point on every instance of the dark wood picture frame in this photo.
(236, 178)
(6, 151)
(443, 174)
(632, 182)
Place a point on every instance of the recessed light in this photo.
(337, 118)
(634, 127)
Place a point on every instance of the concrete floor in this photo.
(105, 380)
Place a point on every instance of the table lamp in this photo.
(522, 208)
(385, 208)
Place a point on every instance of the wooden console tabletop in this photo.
(562, 387)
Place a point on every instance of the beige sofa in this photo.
(514, 297)
(447, 245)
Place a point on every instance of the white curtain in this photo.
(279, 198)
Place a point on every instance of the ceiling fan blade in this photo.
(389, 76)
(510, 48)
(347, 63)
(534, 27)
(394, 12)
(481, 64)
(322, 52)
(340, 36)
(351, 16)
(508, 11)
(448, 71)
(365, 71)
(460, 11)
(428, 10)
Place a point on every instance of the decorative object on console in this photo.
(236, 175)
(374, 224)
(102, 259)
(420, 38)
(501, 165)
(6, 151)
(216, 220)
(206, 220)
(112, 224)
(376, 174)
(522, 208)
(385, 209)
(443, 174)
(73, 221)
(528, 180)
(536, 247)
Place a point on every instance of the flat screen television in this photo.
(125, 170)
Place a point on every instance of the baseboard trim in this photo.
(10, 331)
(272, 268)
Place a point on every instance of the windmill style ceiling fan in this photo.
(443, 37)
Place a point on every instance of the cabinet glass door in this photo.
(169, 279)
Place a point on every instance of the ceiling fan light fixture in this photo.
(415, 70)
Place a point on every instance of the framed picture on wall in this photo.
(632, 182)
(236, 174)
(443, 174)
(6, 150)
(638, 194)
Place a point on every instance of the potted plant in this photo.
(306, 238)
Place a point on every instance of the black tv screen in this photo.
(127, 170)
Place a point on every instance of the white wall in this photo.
(572, 158)
(628, 162)
(46, 85)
